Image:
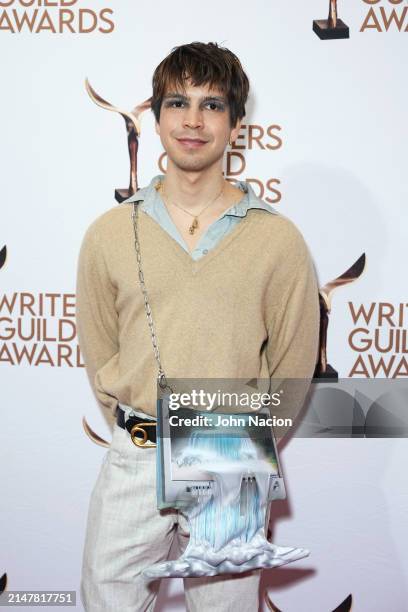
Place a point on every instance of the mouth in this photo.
(191, 143)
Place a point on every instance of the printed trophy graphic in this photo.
(333, 27)
(324, 369)
(3, 256)
(132, 122)
(133, 132)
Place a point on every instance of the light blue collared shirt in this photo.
(154, 206)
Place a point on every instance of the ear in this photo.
(157, 127)
(235, 131)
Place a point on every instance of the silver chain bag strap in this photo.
(161, 377)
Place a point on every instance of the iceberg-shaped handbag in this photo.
(188, 455)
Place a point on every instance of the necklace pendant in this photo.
(193, 226)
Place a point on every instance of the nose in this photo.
(193, 117)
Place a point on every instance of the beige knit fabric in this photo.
(247, 309)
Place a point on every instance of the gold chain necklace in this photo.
(195, 224)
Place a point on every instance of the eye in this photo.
(216, 106)
(174, 104)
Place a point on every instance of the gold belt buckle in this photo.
(141, 442)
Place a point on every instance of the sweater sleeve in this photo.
(96, 318)
(293, 331)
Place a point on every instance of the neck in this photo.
(193, 190)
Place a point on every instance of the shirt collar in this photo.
(149, 196)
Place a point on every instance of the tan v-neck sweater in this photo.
(248, 309)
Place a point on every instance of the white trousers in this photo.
(125, 533)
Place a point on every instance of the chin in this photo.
(191, 164)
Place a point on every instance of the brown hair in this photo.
(203, 63)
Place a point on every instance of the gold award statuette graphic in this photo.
(3, 583)
(133, 132)
(345, 605)
(3, 256)
(333, 27)
(92, 435)
(132, 122)
(324, 369)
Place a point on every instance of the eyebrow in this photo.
(186, 98)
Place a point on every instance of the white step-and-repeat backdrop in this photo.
(325, 142)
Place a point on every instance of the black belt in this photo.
(140, 430)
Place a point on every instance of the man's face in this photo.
(195, 127)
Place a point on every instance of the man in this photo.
(233, 295)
